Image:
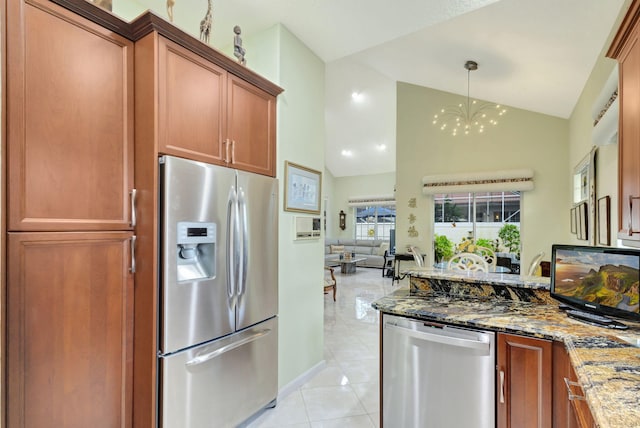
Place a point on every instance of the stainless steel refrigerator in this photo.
(218, 325)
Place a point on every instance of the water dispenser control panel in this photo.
(196, 250)
(196, 233)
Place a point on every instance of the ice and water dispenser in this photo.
(196, 251)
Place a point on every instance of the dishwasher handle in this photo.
(440, 338)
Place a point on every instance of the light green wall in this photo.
(354, 186)
(278, 55)
(522, 139)
(330, 207)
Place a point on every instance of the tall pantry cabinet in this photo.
(69, 300)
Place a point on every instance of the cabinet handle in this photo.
(501, 386)
(631, 231)
(570, 393)
(233, 151)
(226, 143)
(132, 243)
(133, 194)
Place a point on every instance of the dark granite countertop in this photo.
(607, 366)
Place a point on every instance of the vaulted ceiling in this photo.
(535, 55)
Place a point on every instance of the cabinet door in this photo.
(69, 121)
(191, 104)
(629, 147)
(251, 127)
(524, 382)
(69, 312)
(570, 410)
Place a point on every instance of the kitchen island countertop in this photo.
(607, 366)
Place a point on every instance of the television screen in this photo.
(598, 279)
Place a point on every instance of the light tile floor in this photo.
(345, 393)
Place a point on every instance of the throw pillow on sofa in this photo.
(336, 249)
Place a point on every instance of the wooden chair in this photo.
(330, 282)
(468, 262)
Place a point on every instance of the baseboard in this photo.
(301, 380)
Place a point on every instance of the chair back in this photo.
(533, 267)
(417, 256)
(468, 262)
(488, 255)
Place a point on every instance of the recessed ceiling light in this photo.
(357, 96)
(347, 153)
(381, 147)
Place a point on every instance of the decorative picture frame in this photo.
(574, 220)
(583, 221)
(302, 189)
(584, 192)
(604, 221)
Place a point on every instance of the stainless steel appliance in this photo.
(436, 376)
(218, 344)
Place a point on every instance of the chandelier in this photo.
(473, 116)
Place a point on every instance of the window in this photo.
(478, 216)
(375, 221)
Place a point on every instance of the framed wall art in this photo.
(604, 222)
(583, 221)
(302, 189)
(584, 193)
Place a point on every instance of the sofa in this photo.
(372, 250)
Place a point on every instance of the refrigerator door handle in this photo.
(244, 247)
(232, 220)
(201, 359)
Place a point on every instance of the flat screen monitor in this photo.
(601, 280)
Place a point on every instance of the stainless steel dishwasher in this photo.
(436, 376)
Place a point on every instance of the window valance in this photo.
(363, 201)
(488, 181)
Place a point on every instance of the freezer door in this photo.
(223, 383)
(258, 276)
(195, 295)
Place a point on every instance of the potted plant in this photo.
(510, 235)
(442, 248)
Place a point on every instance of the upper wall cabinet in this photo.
(204, 112)
(191, 104)
(69, 121)
(626, 49)
(251, 127)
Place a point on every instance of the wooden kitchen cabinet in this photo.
(69, 317)
(524, 386)
(204, 112)
(626, 49)
(69, 188)
(69, 121)
(251, 127)
(191, 104)
(570, 410)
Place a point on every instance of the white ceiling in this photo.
(532, 54)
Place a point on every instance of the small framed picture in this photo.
(574, 220)
(583, 224)
(604, 222)
(302, 189)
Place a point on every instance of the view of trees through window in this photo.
(479, 217)
(375, 221)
